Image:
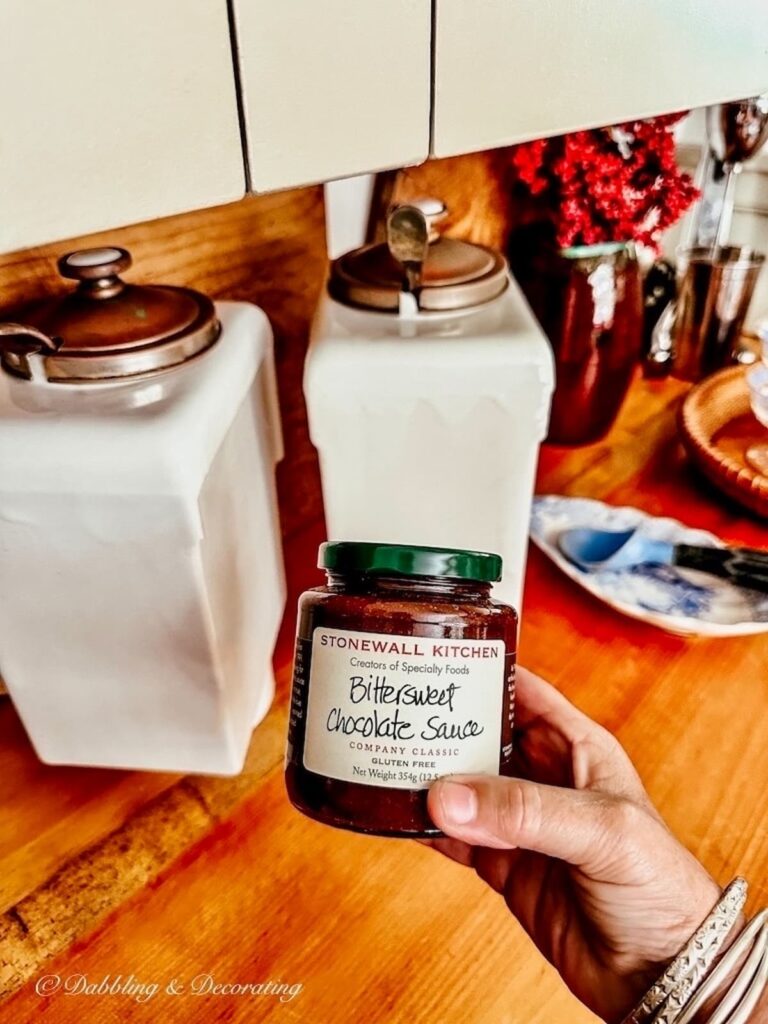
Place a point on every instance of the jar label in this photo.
(401, 711)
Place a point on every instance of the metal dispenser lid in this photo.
(442, 273)
(105, 328)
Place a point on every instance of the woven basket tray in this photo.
(717, 427)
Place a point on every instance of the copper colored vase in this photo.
(588, 300)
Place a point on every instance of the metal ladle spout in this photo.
(408, 242)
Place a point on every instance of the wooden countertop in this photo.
(143, 879)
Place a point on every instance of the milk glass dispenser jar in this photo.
(141, 581)
(428, 385)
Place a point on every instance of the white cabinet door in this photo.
(509, 70)
(332, 88)
(113, 112)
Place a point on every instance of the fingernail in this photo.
(459, 803)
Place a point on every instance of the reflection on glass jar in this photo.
(588, 300)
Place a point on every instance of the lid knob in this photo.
(78, 338)
(434, 211)
(96, 269)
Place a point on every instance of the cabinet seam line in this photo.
(235, 48)
(432, 75)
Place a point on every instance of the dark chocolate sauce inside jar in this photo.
(404, 672)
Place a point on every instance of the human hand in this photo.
(581, 856)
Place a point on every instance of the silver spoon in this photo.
(408, 241)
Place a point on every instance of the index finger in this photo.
(553, 731)
(536, 699)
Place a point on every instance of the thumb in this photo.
(578, 826)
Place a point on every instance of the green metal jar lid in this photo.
(409, 560)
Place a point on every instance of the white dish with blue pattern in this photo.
(678, 600)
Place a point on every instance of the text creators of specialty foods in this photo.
(408, 668)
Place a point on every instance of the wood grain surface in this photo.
(235, 884)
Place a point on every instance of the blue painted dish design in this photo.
(678, 600)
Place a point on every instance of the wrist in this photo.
(704, 964)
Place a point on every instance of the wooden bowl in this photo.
(718, 426)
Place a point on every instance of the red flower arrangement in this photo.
(609, 184)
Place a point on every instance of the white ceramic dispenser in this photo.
(141, 580)
(428, 385)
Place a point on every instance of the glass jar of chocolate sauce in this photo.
(404, 673)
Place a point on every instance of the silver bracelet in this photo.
(665, 1000)
(743, 1011)
(741, 998)
(742, 983)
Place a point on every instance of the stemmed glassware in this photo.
(736, 131)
